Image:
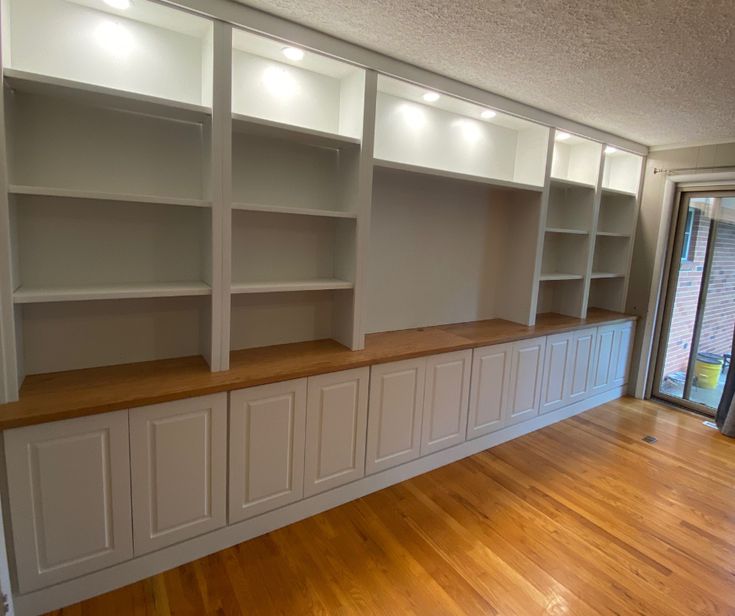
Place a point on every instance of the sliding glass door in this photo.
(699, 315)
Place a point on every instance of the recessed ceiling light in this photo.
(118, 4)
(610, 150)
(431, 97)
(487, 114)
(562, 136)
(293, 53)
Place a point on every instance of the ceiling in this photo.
(654, 71)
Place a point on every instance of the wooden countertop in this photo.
(63, 395)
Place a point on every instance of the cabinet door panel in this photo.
(178, 470)
(394, 416)
(336, 423)
(446, 398)
(557, 377)
(69, 494)
(489, 388)
(582, 364)
(525, 380)
(603, 360)
(267, 433)
(624, 349)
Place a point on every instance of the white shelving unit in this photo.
(177, 186)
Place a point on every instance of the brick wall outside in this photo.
(719, 315)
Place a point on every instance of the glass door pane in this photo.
(700, 313)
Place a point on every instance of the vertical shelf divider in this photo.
(542, 229)
(592, 241)
(222, 193)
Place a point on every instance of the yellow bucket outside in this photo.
(708, 374)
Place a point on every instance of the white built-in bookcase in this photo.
(179, 186)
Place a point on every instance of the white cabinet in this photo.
(179, 469)
(489, 389)
(336, 422)
(583, 347)
(267, 432)
(394, 420)
(69, 495)
(557, 374)
(622, 352)
(527, 365)
(603, 363)
(446, 399)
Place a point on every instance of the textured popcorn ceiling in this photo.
(655, 71)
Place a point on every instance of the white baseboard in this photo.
(60, 595)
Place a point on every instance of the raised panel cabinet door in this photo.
(582, 365)
(69, 495)
(623, 351)
(489, 389)
(446, 400)
(557, 376)
(527, 366)
(179, 470)
(394, 413)
(336, 424)
(603, 360)
(267, 435)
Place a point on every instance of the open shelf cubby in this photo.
(576, 160)
(272, 249)
(617, 214)
(456, 136)
(440, 251)
(608, 293)
(611, 256)
(622, 171)
(570, 207)
(59, 146)
(271, 92)
(564, 256)
(146, 48)
(561, 296)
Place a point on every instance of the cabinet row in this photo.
(89, 493)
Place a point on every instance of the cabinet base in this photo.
(73, 591)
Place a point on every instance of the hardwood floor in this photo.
(582, 517)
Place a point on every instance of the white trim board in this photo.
(142, 567)
(276, 27)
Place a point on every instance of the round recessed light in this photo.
(293, 53)
(118, 4)
(431, 97)
(610, 150)
(488, 114)
(562, 136)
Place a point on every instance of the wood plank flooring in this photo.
(582, 517)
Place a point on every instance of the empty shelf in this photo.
(321, 284)
(132, 290)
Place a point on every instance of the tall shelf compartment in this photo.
(297, 131)
(616, 225)
(108, 126)
(570, 215)
(457, 189)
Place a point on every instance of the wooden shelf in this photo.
(268, 128)
(299, 211)
(573, 183)
(615, 191)
(100, 96)
(566, 231)
(559, 276)
(63, 395)
(477, 179)
(46, 191)
(600, 275)
(613, 234)
(36, 295)
(322, 284)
